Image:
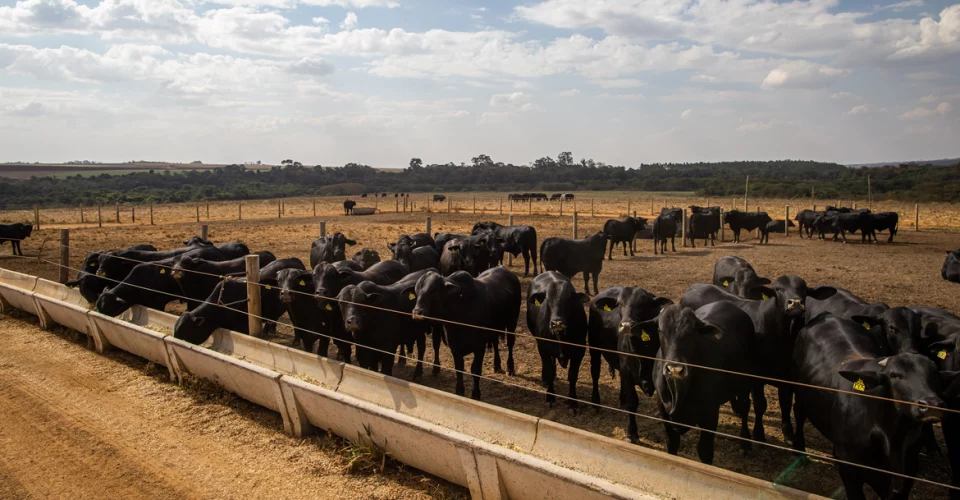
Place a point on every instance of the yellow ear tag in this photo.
(412, 296)
(101, 273)
(536, 302)
(644, 336)
(764, 296)
(942, 354)
(93, 264)
(267, 287)
(163, 271)
(866, 325)
(726, 283)
(859, 385)
(329, 308)
(453, 250)
(607, 308)
(303, 283)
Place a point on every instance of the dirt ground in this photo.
(74, 424)
(904, 273)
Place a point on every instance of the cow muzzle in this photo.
(177, 275)
(795, 306)
(417, 313)
(929, 410)
(675, 371)
(626, 327)
(557, 326)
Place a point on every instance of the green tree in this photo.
(565, 158)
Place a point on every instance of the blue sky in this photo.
(381, 81)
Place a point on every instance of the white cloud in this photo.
(858, 110)
(569, 93)
(320, 20)
(687, 113)
(29, 109)
(762, 125)
(518, 101)
(354, 4)
(619, 83)
(845, 95)
(350, 22)
(920, 113)
(943, 108)
(927, 99)
(802, 74)
(902, 5)
(622, 97)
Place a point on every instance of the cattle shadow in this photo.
(694, 253)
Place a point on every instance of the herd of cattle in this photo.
(721, 342)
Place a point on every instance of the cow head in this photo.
(683, 342)
(552, 306)
(196, 241)
(353, 302)
(634, 311)
(110, 304)
(910, 379)
(792, 293)
(292, 282)
(192, 328)
(746, 284)
(897, 329)
(432, 291)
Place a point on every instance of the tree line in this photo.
(779, 178)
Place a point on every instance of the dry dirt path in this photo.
(74, 424)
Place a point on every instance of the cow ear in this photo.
(409, 294)
(391, 246)
(765, 293)
(821, 292)
(72, 284)
(708, 329)
(648, 330)
(864, 380)
(950, 381)
(583, 298)
(607, 304)
(662, 301)
(536, 300)
(931, 331)
(349, 242)
(451, 288)
(867, 322)
(761, 281)
(943, 348)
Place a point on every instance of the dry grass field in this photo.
(903, 273)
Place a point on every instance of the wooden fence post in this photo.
(81, 213)
(746, 195)
(628, 207)
(151, 213)
(204, 230)
(208, 210)
(530, 206)
(36, 217)
(279, 209)
(786, 222)
(198, 212)
(99, 214)
(315, 206)
(254, 324)
(501, 206)
(449, 203)
(64, 255)
(396, 208)
(683, 229)
(474, 205)
(916, 219)
(758, 229)
(133, 214)
(429, 224)
(240, 210)
(591, 208)
(323, 228)
(510, 255)
(561, 207)
(118, 212)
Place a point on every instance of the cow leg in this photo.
(759, 409)
(421, 349)
(548, 371)
(673, 242)
(386, 363)
(402, 361)
(708, 426)
(741, 407)
(596, 278)
(630, 401)
(786, 402)
(458, 365)
(475, 369)
(693, 243)
(610, 250)
(633, 244)
(511, 340)
(497, 367)
(799, 441)
(655, 244)
(586, 283)
(437, 340)
(595, 359)
(624, 242)
(929, 440)
(573, 371)
(852, 480)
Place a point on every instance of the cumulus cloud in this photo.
(619, 83)
(687, 113)
(517, 101)
(845, 95)
(858, 110)
(921, 113)
(350, 22)
(802, 74)
(569, 93)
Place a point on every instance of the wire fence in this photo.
(811, 454)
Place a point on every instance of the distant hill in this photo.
(938, 163)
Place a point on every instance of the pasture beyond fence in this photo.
(603, 205)
(254, 290)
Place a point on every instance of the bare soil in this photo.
(903, 273)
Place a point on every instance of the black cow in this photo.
(805, 220)
(747, 221)
(885, 221)
(329, 249)
(717, 335)
(555, 196)
(842, 210)
(310, 325)
(114, 266)
(778, 226)
(951, 267)
(15, 233)
(568, 196)
(570, 257)
(414, 259)
(841, 223)
(197, 241)
(704, 223)
(738, 277)
(418, 240)
(366, 257)
(150, 284)
(363, 195)
(348, 206)
(441, 240)
(877, 432)
(385, 330)
(450, 261)
(439, 197)
(555, 313)
(473, 254)
(227, 305)
(776, 321)
(615, 318)
(383, 195)
(197, 277)
(330, 279)
(91, 285)
(518, 240)
(492, 301)
(666, 226)
(623, 231)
